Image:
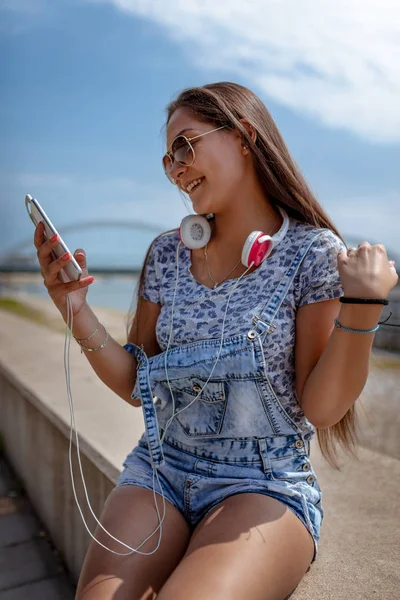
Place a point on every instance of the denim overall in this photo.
(236, 437)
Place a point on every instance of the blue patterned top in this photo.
(199, 310)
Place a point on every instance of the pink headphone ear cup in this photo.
(253, 251)
(194, 231)
(248, 246)
(268, 246)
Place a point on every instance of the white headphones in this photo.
(195, 233)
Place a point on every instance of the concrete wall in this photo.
(37, 447)
(35, 428)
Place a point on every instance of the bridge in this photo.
(16, 261)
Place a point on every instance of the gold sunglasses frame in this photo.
(188, 140)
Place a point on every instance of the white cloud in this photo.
(338, 62)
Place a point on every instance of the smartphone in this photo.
(72, 271)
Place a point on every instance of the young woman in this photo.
(239, 352)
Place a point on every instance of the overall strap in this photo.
(148, 408)
(263, 322)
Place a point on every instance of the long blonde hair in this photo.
(226, 103)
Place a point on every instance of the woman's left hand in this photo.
(366, 272)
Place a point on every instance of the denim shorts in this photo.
(195, 485)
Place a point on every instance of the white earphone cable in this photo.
(233, 287)
(68, 337)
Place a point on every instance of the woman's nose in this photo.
(177, 170)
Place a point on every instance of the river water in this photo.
(111, 291)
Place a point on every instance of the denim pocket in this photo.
(200, 413)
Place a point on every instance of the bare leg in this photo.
(250, 546)
(129, 514)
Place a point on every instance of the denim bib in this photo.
(238, 404)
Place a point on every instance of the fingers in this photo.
(367, 257)
(365, 253)
(53, 271)
(44, 247)
(364, 248)
(39, 237)
(50, 268)
(80, 258)
(58, 290)
(50, 273)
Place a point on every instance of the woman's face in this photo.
(219, 163)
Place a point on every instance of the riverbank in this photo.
(112, 291)
(118, 292)
(42, 311)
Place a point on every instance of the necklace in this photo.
(217, 283)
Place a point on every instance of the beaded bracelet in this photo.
(347, 300)
(339, 326)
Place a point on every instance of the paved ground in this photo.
(30, 567)
(360, 537)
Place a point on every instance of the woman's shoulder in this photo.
(322, 237)
(165, 242)
(317, 277)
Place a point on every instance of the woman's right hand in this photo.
(50, 269)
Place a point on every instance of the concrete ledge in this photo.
(360, 544)
(35, 426)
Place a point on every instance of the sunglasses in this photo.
(182, 152)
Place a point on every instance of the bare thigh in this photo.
(250, 546)
(130, 515)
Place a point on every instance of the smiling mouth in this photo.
(196, 186)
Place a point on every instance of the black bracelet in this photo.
(346, 300)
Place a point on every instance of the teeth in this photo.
(193, 184)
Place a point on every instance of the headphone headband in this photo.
(195, 233)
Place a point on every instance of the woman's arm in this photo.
(332, 365)
(113, 364)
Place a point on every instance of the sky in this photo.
(85, 84)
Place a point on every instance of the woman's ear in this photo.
(250, 130)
